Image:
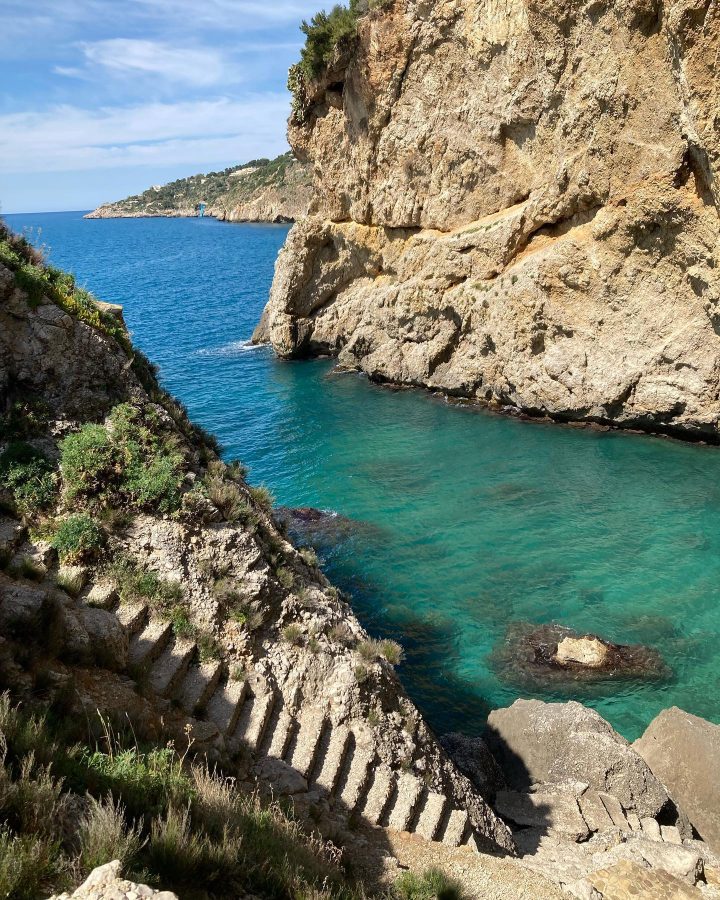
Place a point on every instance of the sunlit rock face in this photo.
(516, 202)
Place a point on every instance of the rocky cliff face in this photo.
(517, 203)
(277, 190)
(163, 587)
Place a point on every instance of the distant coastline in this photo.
(277, 191)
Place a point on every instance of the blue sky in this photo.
(103, 98)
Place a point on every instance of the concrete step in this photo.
(199, 685)
(170, 667)
(282, 733)
(431, 815)
(254, 718)
(306, 744)
(333, 757)
(148, 644)
(409, 790)
(132, 616)
(456, 828)
(360, 761)
(381, 791)
(224, 706)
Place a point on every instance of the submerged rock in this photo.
(322, 529)
(683, 751)
(535, 654)
(541, 743)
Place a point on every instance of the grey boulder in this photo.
(683, 751)
(540, 743)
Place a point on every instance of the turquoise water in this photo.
(474, 521)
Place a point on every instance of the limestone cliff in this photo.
(517, 203)
(277, 190)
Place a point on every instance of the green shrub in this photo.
(285, 577)
(228, 498)
(131, 463)
(104, 835)
(323, 33)
(78, 537)
(87, 462)
(246, 614)
(309, 557)
(28, 476)
(433, 884)
(292, 634)
(29, 866)
(263, 497)
(145, 782)
(182, 855)
(136, 583)
(391, 651)
(72, 582)
(372, 650)
(208, 647)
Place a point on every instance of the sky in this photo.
(100, 99)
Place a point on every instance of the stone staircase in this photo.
(339, 762)
(568, 831)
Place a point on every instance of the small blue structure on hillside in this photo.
(201, 208)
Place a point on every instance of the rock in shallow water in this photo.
(322, 529)
(537, 654)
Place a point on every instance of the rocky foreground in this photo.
(277, 190)
(516, 203)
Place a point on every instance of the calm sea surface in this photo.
(471, 521)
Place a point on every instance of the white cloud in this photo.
(69, 71)
(193, 66)
(69, 138)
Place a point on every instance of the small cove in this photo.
(471, 521)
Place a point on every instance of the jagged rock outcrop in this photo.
(517, 203)
(277, 190)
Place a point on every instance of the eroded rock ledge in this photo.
(516, 203)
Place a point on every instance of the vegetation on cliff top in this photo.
(324, 33)
(42, 282)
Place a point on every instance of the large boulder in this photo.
(539, 743)
(683, 751)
